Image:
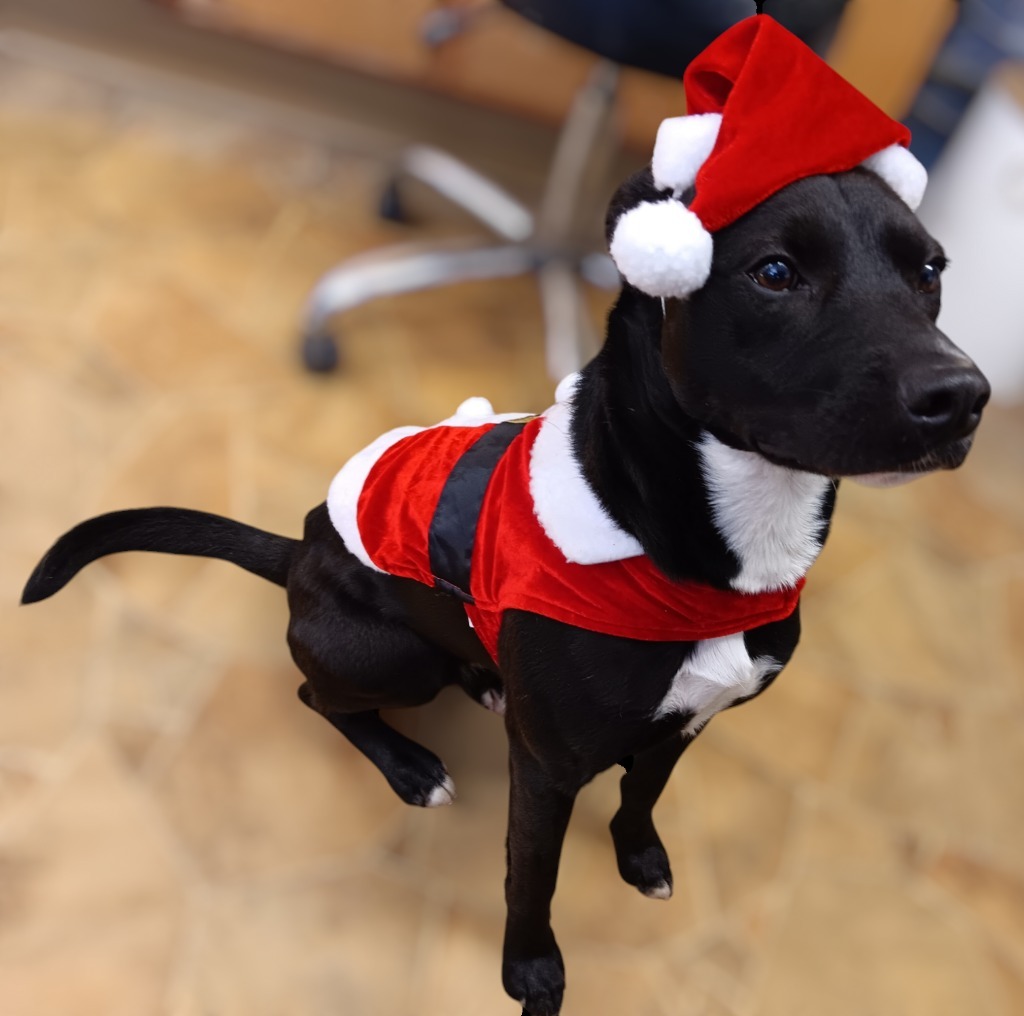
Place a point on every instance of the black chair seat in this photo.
(665, 35)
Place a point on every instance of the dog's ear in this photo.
(636, 189)
(658, 245)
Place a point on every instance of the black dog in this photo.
(713, 430)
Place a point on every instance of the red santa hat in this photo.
(764, 111)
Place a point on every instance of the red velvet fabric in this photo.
(786, 115)
(516, 565)
(401, 493)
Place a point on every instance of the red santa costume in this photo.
(495, 510)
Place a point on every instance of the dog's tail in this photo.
(167, 531)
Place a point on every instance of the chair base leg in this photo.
(392, 273)
(320, 352)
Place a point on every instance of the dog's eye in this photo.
(777, 275)
(931, 277)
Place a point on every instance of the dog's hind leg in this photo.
(417, 775)
(356, 664)
(638, 848)
(349, 637)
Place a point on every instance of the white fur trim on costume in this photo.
(769, 516)
(681, 148)
(902, 172)
(564, 503)
(347, 485)
(662, 248)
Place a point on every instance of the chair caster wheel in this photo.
(392, 207)
(320, 353)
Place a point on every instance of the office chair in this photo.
(655, 35)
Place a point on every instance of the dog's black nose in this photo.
(945, 401)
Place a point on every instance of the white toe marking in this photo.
(493, 700)
(443, 793)
(661, 891)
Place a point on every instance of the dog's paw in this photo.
(425, 790)
(420, 780)
(484, 686)
(658, 891)
(537, 983)
(642, 860)
(494, 700)
(648, 870)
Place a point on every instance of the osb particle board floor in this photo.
(178, 836)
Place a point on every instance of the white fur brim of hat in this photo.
(663, 249)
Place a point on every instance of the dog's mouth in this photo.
(949, 456)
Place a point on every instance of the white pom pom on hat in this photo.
(743, 141)
(662, 248)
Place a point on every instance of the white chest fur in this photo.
(716, 674)
(769, 516)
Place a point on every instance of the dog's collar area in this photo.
(769, 516)
(566, 506)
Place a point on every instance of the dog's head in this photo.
(814, 340)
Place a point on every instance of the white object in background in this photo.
(975, 208)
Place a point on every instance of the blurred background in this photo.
(241, 238)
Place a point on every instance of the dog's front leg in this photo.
(539, 811)
(638, 848)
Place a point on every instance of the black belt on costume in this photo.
(453, 527)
